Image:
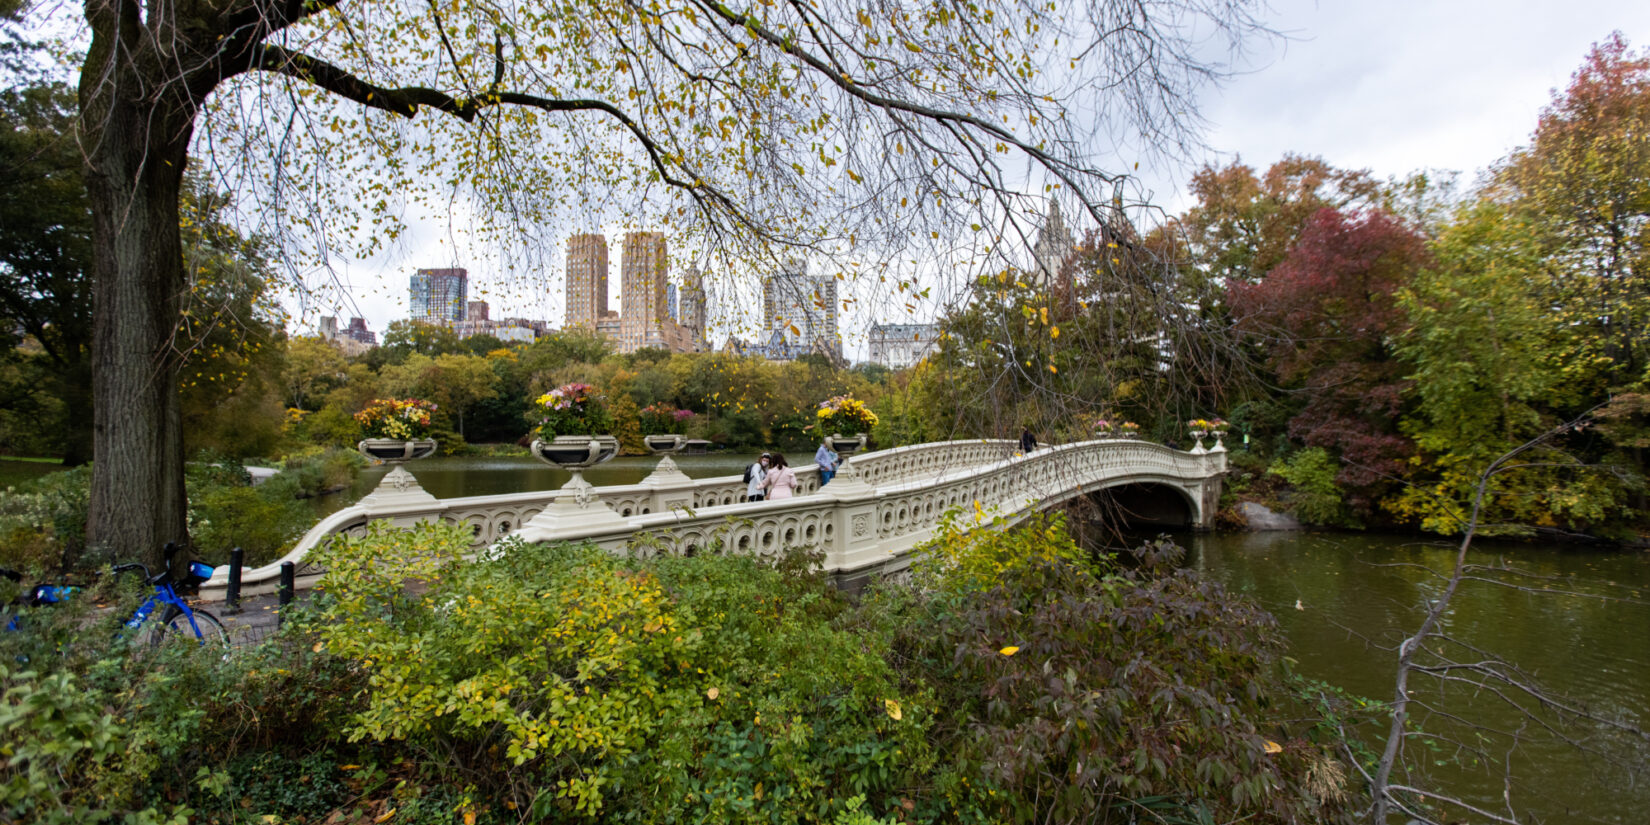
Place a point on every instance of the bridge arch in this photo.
(880, 506)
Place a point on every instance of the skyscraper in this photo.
(438, 296)
(644, 270)
(800, 314)
(586, 280)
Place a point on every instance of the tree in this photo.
(1493, 366)
(1243, 225)
(454, 382)
(774, 124)
(1327, 316)
(312, 365)
(1585, 179)
(404, 338)
(45, 250)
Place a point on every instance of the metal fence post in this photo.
(232, 595)
(288, 572)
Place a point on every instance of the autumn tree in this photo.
(313, 366)
(1244, 223)
(785, 126)
(1326, 317)
(1584, 180)
(1493, 366)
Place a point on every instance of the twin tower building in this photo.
(655, 313)
(799, 312)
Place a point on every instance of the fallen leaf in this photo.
(1273, 747)
(713, 693)
(892, 707)
(1010, 650)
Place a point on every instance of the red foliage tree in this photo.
(1325, 317)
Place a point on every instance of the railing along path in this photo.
(880, 505)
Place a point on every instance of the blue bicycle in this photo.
(177, 619)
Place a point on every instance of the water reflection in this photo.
(1574, 620)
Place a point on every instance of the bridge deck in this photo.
(880, 505)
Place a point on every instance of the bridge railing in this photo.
(495, 517)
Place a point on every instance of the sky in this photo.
(1392, 87)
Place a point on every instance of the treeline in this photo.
(483, 387)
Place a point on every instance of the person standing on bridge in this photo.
(755, 477)
(827, 459)
(1028, 442)
(781, 481)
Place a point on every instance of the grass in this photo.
(15, 470)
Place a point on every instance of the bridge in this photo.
(865, 522)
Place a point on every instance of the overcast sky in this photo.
(1392, 87)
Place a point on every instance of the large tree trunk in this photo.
(135, 137)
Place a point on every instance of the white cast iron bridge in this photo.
(865, 522)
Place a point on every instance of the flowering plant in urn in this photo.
(571, 409)
(1116, 429)
(396, 419)
(1199, 426)
(845, 414)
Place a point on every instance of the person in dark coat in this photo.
(1028, 442)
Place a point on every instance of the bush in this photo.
(578, 685)
(320, 472)
(43, 522)
(1316, 498)
(263, 520)
(97, 725)
(1067, 697)
(331, 426)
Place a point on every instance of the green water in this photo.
(1357, 595)
(1581, 627)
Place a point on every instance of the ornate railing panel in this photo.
(881, 505)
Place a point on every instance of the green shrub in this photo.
(331, 426)
(1066, 697)
(580, 685)
(97, 724)
(43, 522)
(1316, 498)
(226, 511)
(317, 472)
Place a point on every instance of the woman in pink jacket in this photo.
(781, 480)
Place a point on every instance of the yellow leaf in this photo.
(317, 647)
(892, 707)
(1010, 650)
(1273, 747)
(387, 816)
(469, 818)
(713, 693)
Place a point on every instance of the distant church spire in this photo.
(1054, 245)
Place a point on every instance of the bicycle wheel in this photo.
(173, 628)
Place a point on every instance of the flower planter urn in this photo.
(666, 473)
(398, 487)
(576, 508)
(576, 452)
(664, 444)
(845, 446)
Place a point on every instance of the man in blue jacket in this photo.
(826, 458)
